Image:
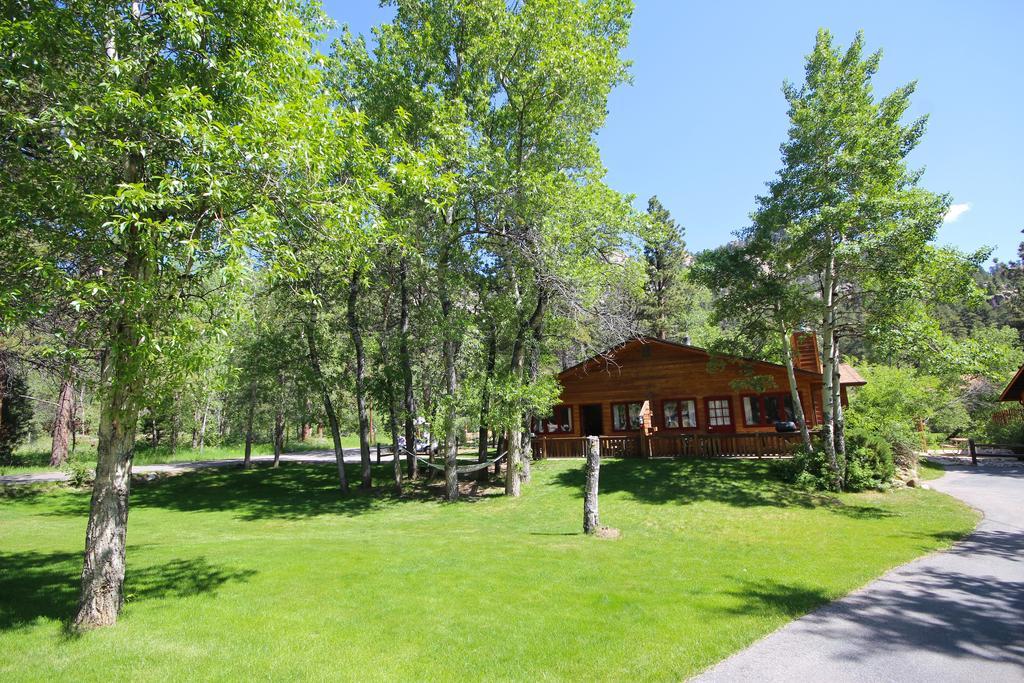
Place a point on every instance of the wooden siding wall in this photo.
(655, 373)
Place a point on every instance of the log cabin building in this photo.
(657, 388)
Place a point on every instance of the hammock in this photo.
(463, 469)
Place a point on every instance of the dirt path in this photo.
(351, 456)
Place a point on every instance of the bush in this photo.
(80, 474)
(808, 470)
(870, 464)
(871, 460)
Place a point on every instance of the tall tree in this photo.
(846, 215)
(134, 132)
(666, 257)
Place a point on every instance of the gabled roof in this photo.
(847, 375)
(850, 377)
(1014, 391)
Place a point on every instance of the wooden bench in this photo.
(978, 450)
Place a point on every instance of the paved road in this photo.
(351, 456)
(951, 616)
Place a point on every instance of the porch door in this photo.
(592, 421)
(719, 412)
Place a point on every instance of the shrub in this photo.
(808, 470)
(80, 474)
(870, 464)
(871, 460)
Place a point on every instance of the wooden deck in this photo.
(757, 445)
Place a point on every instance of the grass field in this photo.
(929, 470)
(269, 574)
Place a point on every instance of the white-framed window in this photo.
(719, 414)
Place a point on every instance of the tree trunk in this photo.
(222, 421)
(591, 521)
(449, 353)
(794, 390)
(513, 482)
(366, 482)
(202, 424)
(406, 363)
(536, 329)
(501, 446)
(62, 424)
(837, 416)
(103, 569)
(828, 360)
(451, 447)
(248, 426)
(485, 399)
(396, 460)
(306, 429)
(278, 424)
(175, 424)
(103, 566)
(514, 473)
(194, 443)
(73, 423)
(332, 418)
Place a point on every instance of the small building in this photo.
(1014, 391)
(647, 386)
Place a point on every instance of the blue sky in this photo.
(702, 122)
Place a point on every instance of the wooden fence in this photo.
(576, 447)
(994, 450)
(755, 445)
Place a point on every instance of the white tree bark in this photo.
(794, 391)
(591, 519)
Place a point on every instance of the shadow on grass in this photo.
(291, 491)
(741, 483)
(36, 585)
(778, 598)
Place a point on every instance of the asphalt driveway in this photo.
(951, 616)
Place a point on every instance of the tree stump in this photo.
(591, 523)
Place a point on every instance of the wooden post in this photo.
(974, 453)
(590, 516)
(378, 452)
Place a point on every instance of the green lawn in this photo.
(268, 574)
(929, 470)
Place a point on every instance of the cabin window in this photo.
(559, 422)
(680, 414)
(627, 416)
(718, 412)
(767, 409)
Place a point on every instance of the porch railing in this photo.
(754, 445)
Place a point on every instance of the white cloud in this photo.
(955, 211)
